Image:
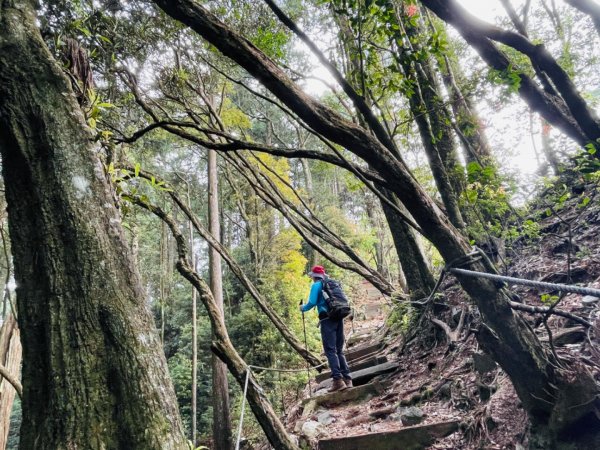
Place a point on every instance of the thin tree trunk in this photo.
(221, 418)
(94, 375)
(194, 405)
(415, 272)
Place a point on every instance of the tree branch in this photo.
(12, 380)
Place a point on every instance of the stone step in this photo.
(369, 362)
(362, 351)
(358, 337)
(363, 376)
(338, 397)
(409, 438)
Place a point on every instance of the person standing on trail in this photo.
(332, 332)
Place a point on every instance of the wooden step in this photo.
(362, 351)
(364, 375)
(369, 362)
(338, 397)
(408, 438)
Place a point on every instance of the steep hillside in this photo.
(433, 387)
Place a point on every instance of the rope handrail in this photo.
(532, 283)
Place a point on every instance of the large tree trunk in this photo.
(94, 375)
(10, 359)
(221, 418)
(419, 280)
(541, 389)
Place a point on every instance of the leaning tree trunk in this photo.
(94, 374)
(417, 274)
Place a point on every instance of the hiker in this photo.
(332, 331)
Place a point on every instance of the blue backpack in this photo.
(337, 303)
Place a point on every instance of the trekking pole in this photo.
(306, 347)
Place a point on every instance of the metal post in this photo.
(306, 347)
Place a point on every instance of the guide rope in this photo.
(541, 284)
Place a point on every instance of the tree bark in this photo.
(419, 280)
(221, 419)
(432, 118)
(516, 348)
(415, 272)
(94, 375)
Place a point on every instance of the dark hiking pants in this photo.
(332, 335)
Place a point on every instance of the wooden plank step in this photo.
(338, 397)
(369, 362)
(364, 375)
(362, 351)
(417, 437)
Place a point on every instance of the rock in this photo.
(565, 246)
(446, 390)
(589, 300)
(485, 391)
(311, 429)
(325, 418)
(411, 416)
(372, 311)
(358, 337)
(394, 417)
(483, 363)
(566, 336)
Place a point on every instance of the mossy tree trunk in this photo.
(94, 374)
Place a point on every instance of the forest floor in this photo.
(437, 381)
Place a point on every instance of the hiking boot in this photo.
(348, 382)
(338, 385)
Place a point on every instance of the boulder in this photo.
(325, 417)
(411, 416)
(311, 429)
